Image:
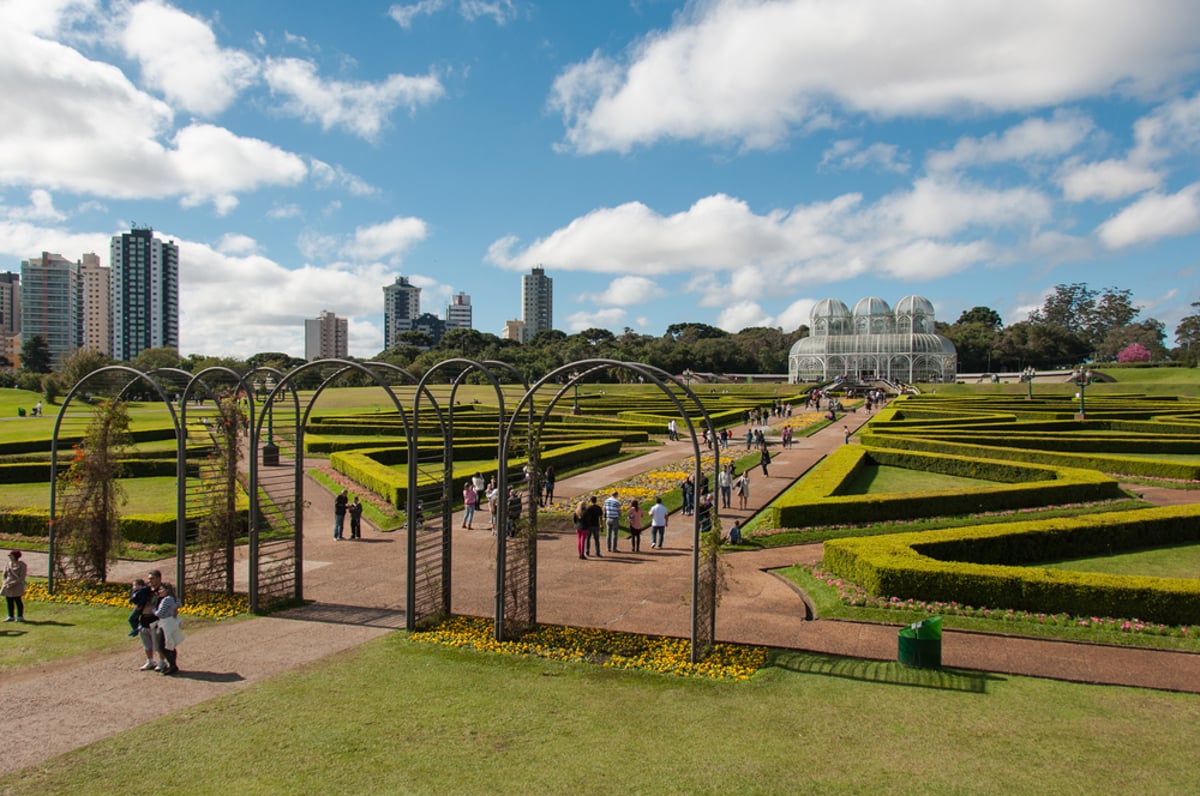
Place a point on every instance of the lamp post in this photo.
(1028, 375)
(1082, 378)
(575, 410)
(270, 452)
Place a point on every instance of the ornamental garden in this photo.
(980, 504)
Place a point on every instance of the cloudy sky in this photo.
(723, 161)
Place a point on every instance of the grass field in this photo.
(1180, 561)
(394, 716)
(880, 479)
(54, 631)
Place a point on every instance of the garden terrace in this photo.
(823, 496)
(991, 565)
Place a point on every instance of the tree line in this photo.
(1075, 324)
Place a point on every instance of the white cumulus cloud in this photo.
(180, 57)
(749, 73)
(386, 241)
(362, 108)
(1152, 217)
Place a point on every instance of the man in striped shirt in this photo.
(612, 521)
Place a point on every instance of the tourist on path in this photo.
(743, 490)
(355, 510)
(167, 633)
(612, 522)
(635, 526)
(688, 490)
(725, 482)
(147, 626)
(764, 459)
(340, 506)
(470, 501)
(15, 573)
(581, 532)
(658, 523)
(591, 521)
(548, 486)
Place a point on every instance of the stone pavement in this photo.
(357, 589)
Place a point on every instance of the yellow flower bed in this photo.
(650, 484)
(608, 648)
(207, 606)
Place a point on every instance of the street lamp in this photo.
(575, 410)
(1028, 375)
(1082, 378)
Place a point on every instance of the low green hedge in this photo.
(374, 471)
(1150, 468)
(993, 565)
(819, 499)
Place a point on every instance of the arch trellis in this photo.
(704, 558)
(275, 482)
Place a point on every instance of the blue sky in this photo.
(727, 161)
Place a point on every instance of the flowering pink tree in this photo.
(1134, 352)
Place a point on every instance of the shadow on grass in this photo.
(208, 677)
(345, 615)
(888, 672)
(49, 623)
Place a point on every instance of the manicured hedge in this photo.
(990, 565)
(820, 499)
(374, 471)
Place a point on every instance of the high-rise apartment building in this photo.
(96, 305)
(514, 330)
(10, 317)
(50, 299)
(401, 306)
(325, 337)
(537, 303)
(458, 312)
(144, 293)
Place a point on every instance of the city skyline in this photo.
(657, 166)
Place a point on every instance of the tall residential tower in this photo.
(144, 293)
(401, 306)
(537, 303)
(325, 337)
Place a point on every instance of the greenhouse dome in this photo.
(873, 342)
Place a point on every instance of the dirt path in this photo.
(358, 593)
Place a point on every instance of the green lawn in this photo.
(1179, 561)
(397, 717)
(53, 631)
(878, 479)
(143, 495)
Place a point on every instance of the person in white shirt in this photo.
(658, 523)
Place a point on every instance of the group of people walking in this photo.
(588, 516)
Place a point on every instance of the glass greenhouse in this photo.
(873, 342)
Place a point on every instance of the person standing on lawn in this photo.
(15, 573)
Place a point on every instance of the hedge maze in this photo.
(1037, 454)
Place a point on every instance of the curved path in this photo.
(358, 593)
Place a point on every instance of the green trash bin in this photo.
(921, 644)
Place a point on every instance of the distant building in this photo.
(537, 303)
(458, 312)
(95, 282)
(325, 337)
(430, 324)
(144, 293)
(10, 316)
(873, 342)
(50, 299)
(514, 330)
(401, 306)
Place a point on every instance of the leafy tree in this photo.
(1149, 334)
(76, 367)
(155, 358)
(35, 354)
(88, 523)
(1070, 307)
(1134, 352)
(1039, 345)
(1187, 337)
(985, 316)
(691, 332)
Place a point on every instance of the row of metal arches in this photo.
(277, 410)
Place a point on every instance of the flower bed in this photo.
(204, 605)
(607, 648)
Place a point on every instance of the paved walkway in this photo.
(358, 593)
